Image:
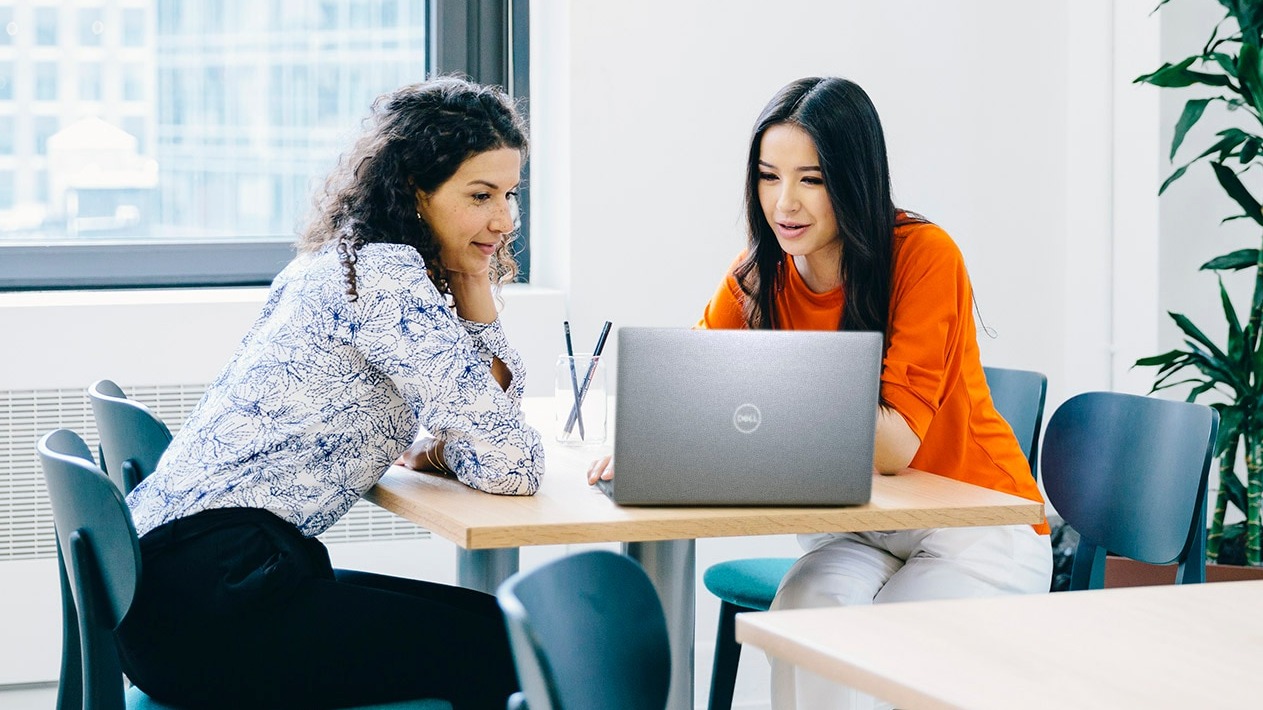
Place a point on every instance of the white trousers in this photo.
(841, 569)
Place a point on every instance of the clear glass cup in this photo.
(580, 378)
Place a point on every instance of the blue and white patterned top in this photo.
(325, 393)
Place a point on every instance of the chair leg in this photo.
(723, 678)
(70, 685)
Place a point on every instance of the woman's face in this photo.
(471, 213)
(792, 192)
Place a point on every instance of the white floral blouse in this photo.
(325, 393)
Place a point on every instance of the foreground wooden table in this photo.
(1189, 646)
(488, 529)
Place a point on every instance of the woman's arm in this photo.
(476, 303)
(896, 443)
(442, 365)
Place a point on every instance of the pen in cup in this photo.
(587, 378)
(574, 380)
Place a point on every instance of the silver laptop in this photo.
(744, 417)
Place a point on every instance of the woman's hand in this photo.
(601, 468)
(425, 454)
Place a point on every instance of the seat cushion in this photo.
(137, 700)
(749, 583)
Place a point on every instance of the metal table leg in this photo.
(672, 565)
(484, 570)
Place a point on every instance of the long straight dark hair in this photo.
(842, 121)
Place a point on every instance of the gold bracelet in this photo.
(436, 461)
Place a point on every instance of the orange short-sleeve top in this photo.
(931, 372)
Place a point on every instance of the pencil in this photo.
(587, 378)
(574, 379)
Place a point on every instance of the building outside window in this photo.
(133, 27)
(46, 33)
(91, 81)
(207, 123)
(46, 81)
(8, 27)
(91, 26)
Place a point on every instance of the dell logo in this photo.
(747, 418)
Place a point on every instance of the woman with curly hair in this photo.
(384, 325)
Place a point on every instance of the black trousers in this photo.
(236, 609)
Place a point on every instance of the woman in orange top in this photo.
(829, 250)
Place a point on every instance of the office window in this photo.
(91, 26)
(224, 116)
(46, 26)
(133, 27)
(8, 28)
(8, 126)
(90, 82)
(45, 81)
(45, 126)
(170, 16)
(6, 81)
(134, 81)
(7, 184)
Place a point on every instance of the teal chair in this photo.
(1129, 474)
(587, 631)
(96, 539)
(132, 437)
(750, 584)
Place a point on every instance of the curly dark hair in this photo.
(416, 138)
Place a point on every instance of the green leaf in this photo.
(1227, 62)
(1249, 17)
(1178, 75)
(1234, 218)
(1193, 111)
(1174, 176)
(1167, 68)
(1230, 139)
(1250, 72)
(1235, 261)
(1235, 489)
(1196, 334)
(1229, 428)
(1163, 359)
(1249, 149)
(1237, 191)
(1236, 338)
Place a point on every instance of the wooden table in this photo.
(488, 529)
(1188, 646)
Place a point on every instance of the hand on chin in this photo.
(467, 264)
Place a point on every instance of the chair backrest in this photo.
(97, 541)
(588, 631)
(1129, 474)
(1019, 397)
(132, 437)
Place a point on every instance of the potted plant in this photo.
(1230, 65)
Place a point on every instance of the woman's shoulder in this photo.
(919, 238)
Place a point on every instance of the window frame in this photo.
(485, 40)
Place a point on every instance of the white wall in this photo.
(1013, 125)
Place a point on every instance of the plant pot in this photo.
(1123, 572)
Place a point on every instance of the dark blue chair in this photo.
(97, 541)
(750, 584)
(587, 631)
(132, 437)
(1129, 474)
